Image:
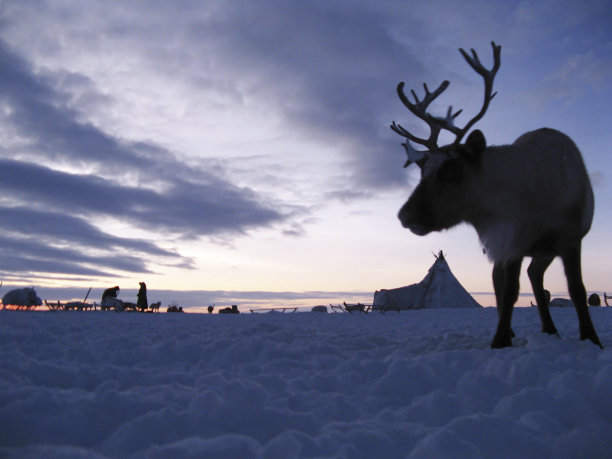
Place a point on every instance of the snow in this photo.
(418, 384)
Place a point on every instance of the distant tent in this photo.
(561, 303)
(439, 289)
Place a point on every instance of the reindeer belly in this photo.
(549, 233)
(550, 243)
(532, 212)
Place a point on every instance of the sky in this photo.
(245, 146)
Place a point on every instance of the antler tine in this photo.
(449, 114)
(414, 156)
(401, 130)
(448, 122)
(419, 107)
(474, 61)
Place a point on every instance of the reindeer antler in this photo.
(419, 109)
(436, 124)
(488, 77)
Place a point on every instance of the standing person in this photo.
(142, 302)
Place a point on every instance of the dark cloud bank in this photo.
(47, 215)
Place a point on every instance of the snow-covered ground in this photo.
(416, 384)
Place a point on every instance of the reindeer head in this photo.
(438, 201)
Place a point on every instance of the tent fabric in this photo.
(439, 289)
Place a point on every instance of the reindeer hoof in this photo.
(501, 340)
(593, 338)
(551, 331)
(589, 333)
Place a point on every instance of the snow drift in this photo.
(418, 384)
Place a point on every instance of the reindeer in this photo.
(532, 198)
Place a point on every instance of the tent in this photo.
(439, 289)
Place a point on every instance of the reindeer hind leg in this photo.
(536, 270)
(573, 272)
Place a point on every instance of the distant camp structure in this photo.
(26, 299)
(439, 289)
(110, 300)
(174, 308)
(594, 300)
(351, 307)
(21, 298)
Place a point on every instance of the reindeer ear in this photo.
(475, 145)
(476, 142)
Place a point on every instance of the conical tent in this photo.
(439, 289)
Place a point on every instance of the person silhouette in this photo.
(142, 302)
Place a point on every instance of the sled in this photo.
(351, 307)
(278, 309)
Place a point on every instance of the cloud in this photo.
(327, 71)
(574, 78)
(323, 67)
(185, 208)
(50, 226)
(213, 118)
(138, 183)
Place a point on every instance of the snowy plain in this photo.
(419, 384)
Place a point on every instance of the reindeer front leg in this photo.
(506, 278)
(498, 287)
